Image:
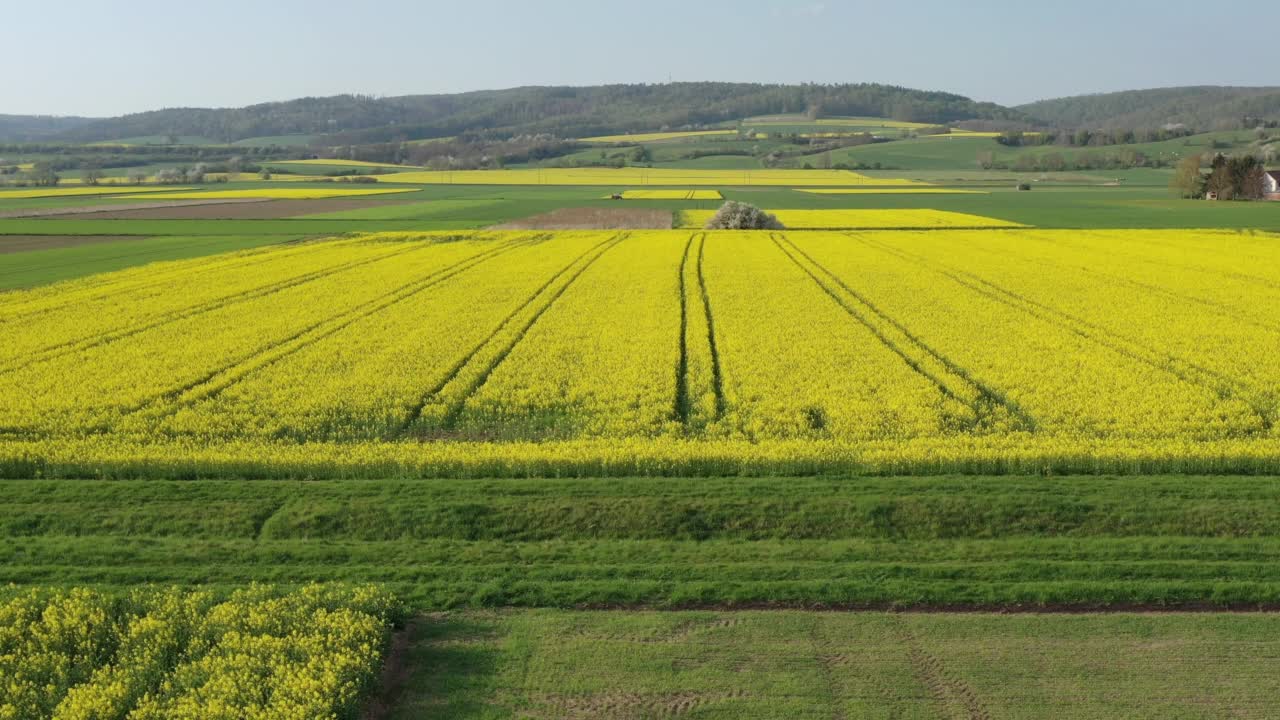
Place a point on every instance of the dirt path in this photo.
(253, 209)
(27, 243)
(395, 673)
(593, 219)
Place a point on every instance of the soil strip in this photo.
(593, 219)
(27, 243)
(252, 209)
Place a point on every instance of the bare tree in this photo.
(91, 174)
(1187, 182)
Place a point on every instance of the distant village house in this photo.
(1271, 185)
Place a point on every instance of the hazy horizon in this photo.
(117, 59)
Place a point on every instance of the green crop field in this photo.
(39, 267)
(1080, 542)
(788, 665)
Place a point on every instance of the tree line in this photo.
(1238, 177)
(565, 112)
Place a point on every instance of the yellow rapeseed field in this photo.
(657, 352)
(284, 193)
(670, 195)
(658, 136)
(630, 176)
(168, 654)
(863, 219)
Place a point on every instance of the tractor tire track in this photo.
(216, 381)
(454, 408)
(1213, 305)
(110, 336)
(954, 698)
(682, 409)
(985, 401)
(1223, 386)
(1229, 274)
(717, 371)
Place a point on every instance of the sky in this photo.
(88, 57)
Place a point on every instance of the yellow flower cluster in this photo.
(655, 351)
(171, 655)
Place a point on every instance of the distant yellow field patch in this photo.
(891, 191)
(72, 192)
(864, 219)
(280, 193)
(961, 134)
(277, 177)
(336, 163)
(631, 176)
(869, 122)
(671, 195)
(655, 137)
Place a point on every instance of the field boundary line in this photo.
(978, 396)
(1185, 370)
(206, 240)
(1230, 274)
(273, 352)
(236, 260)
(414, 416)
(106, 338)
(1215, 306)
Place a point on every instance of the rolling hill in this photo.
(564, 111)
(34, 128)
(1201, 107)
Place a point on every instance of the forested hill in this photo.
(1200, 107)
(34, 128)
(564, 111)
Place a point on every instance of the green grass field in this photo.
(793, 542)
(811, 665)
(280, 140)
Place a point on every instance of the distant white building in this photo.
(1271, 184)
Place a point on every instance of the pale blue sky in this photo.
(93, 57)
